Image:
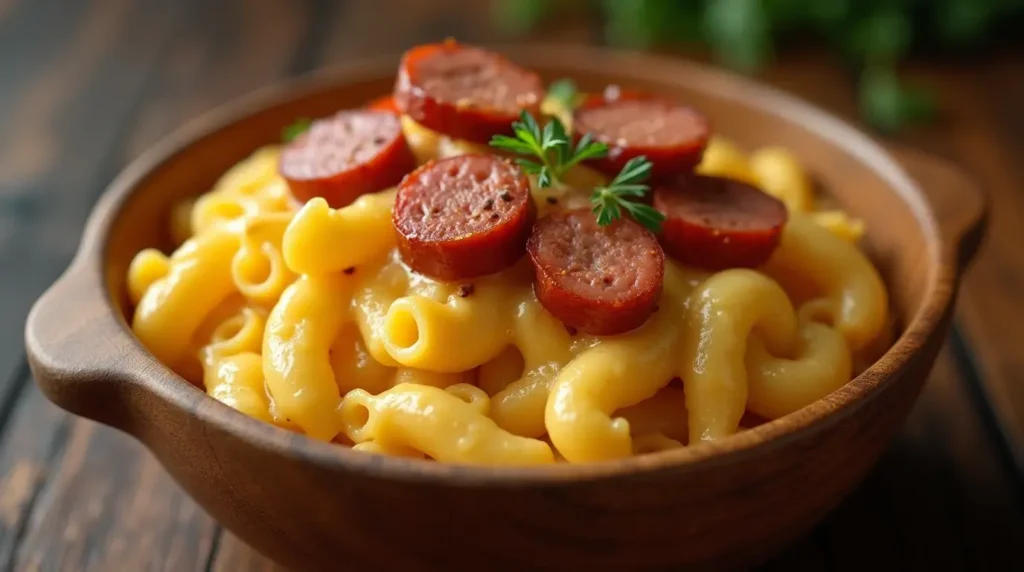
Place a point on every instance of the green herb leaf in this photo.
(300, 126)
(563, 148)
(635, 170)
(645, 215)
(548, 151)
(587, 148)
(544, 177)
(632, 190)
(511, 144)
(547, 154)
(609, 202)
(529, 166)
(529, 124)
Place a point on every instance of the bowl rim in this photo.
(159, 380)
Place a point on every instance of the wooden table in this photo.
(86, 86)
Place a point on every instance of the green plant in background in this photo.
(871, 36)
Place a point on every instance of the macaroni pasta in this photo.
(309, 319)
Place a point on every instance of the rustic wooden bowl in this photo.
(315, 506)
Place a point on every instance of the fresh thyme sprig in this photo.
(550, 152)
(609, 202)
(548, 155)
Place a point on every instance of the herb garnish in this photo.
(549, 155)
(300, 126)
(608, 202)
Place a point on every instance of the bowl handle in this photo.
(960, 205)
(77, 349)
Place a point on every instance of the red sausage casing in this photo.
(346, 155)
(717, 223)
(463, 216)
(672, 136)
(600, 280)
(465, 92)
(384, 103)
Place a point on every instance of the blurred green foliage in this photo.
(871, 36)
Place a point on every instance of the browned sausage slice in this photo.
(465, 92)
(463, 217)
(384, 103)
(717, 223)
(672, 136)
(601, 280)
(346, 155)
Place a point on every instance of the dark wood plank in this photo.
(59, 130)
(364, 29)
(940, 499)
(6, 7)
(981, 130)
(37, 437)
(109, 504)
(109, 507)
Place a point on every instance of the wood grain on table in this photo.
(86, 86)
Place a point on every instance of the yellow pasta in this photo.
(147, 267)
(654, 442)
(354, 367)
(322, 240)
(779, 174)
(296, 349)
(307, 318)
(723, 312)
(420, 332)
(840, 224)
(857, 303)
(258, 267)
(427, 144)
(198, 278)
(618, 372)
(723, 158)
(663, 414)
(498, 373)
(439, 379)
(546, 347)
(237, 381)
(239, 333)
(779, 386)
(439, 423)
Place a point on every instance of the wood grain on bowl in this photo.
(732, 502)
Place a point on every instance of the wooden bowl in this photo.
(315, 506)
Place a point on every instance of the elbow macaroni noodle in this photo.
(308, 319)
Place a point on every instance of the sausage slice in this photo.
(346, 155)
(463, 216)
(599, 280)
(672, 136)
(465, 92)
(384, 103)
(717, 223)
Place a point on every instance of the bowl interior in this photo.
(853, 178)
(856, 173)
